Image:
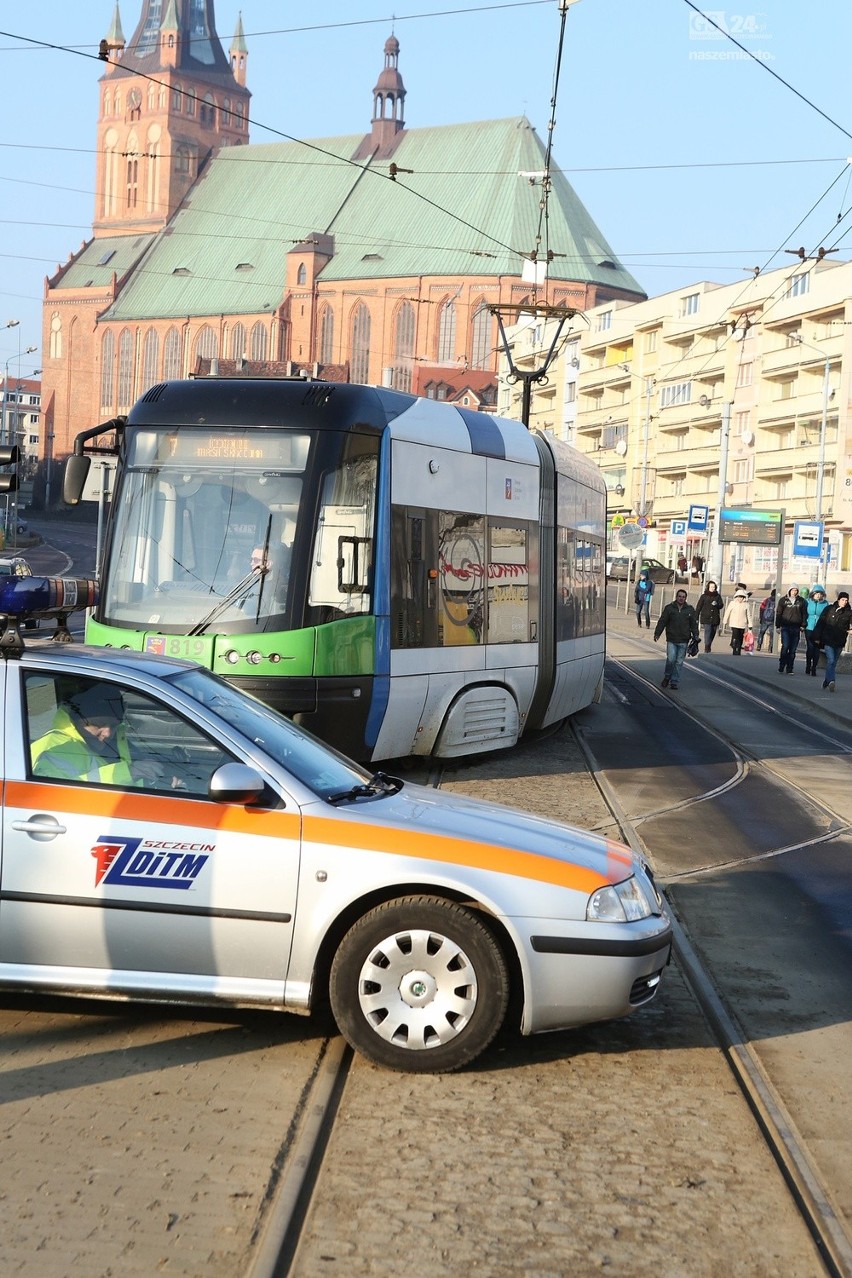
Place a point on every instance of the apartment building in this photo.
(754, 376)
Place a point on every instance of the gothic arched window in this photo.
(206, 343)
(447, 333)
(107, 371)
(360, 344)
(150, 360)
(480, 340)
(403, 347)
(171, 355)
(259, 342)
(125, 369)
(326, 351)
(238, 341)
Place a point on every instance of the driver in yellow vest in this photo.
(87, 741)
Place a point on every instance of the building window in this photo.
(207, 113)
(677, 393)
(132, 183)
(447, 333)
(603, 322)
(480, 341)
(745, 374)
(570, 392)
(189, 101)
(360, 343)
(741, 422)
(786, 388)
(150, 357)
(259, 342)
(206, 343)
(177, 98)
(171, 355)
(689, 305)
(326, 351)
(799, 285)
(125, 369)
(55, 337)
(742, 471)
(650, 341)
(302, 274)
(107, 371)
(403, 347)
(238, 341)
(779, 488)
(793, 337)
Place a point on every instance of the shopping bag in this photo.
(692, 648)
(748, 641)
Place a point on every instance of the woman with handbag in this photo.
(738, 615)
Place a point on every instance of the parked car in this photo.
(15, 567)
(617, 570)
(218, 853)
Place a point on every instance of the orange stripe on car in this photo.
(154, 808)
(452, 851)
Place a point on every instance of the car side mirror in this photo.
(235, 783)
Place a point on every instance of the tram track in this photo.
(774, 1121)
(290, 1196)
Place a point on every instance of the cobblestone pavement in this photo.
(623, 1148)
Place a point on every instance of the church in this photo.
(377, 257)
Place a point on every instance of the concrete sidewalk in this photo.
(761, 666)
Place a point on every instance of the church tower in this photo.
(387, 124)
(170, 98)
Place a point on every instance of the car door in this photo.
(144, 886)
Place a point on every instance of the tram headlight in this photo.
(619, 903)
(254, 658)
(232, 657)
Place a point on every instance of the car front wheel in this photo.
(419, 984)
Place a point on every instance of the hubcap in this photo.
(417, 989)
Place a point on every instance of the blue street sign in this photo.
(698, 516)
(678, 527)
(807, 539)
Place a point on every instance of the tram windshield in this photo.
(204, 527)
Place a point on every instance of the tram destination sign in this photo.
(755, 527)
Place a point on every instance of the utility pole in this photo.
(821, 469)
(643, 498)
(528, 376)
(714, 558)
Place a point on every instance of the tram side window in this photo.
(461, 579)
(438, 578)
(512, 583)
(342, 563)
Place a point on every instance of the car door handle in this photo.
(41, 827)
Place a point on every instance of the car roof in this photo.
(108, 662)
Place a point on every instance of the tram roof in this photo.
(463, 208)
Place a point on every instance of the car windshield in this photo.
(315, 764)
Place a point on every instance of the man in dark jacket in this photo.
(790, 615)
(680, 623)
(831, 632)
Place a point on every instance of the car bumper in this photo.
(576, 979)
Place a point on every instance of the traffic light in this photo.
(9, 457)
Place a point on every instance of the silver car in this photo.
(188, 844)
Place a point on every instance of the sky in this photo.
(693, 157)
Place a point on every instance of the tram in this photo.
(400, 575)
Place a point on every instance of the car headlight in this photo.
(620, 903)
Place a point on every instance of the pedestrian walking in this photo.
(816, 604)
(790, 615)
(832, 630)
(642, 597)
(708, 610)
(766, 620)
(680, 624)
(738, 615)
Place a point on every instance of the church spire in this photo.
(239, 52)
(113, 42)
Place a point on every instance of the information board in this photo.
(755, 527)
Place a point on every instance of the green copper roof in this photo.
(463, 210)
(101, 258)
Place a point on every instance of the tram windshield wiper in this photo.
(379, 783)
